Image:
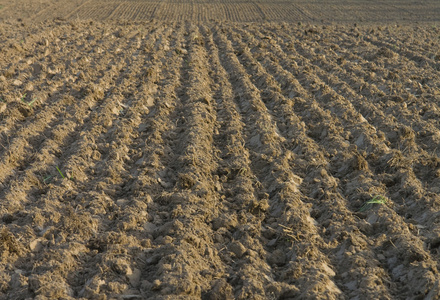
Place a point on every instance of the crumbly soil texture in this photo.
(219, 160)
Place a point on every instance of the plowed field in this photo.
(159, 160)
(364, 11)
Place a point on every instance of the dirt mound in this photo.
(219, 161)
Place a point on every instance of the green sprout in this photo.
(47, 179)
(378, 199)
(28, 103)
(32, 102)
(59, 171)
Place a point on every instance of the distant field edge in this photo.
(328, 12)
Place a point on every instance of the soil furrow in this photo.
(110, 176)
(405, 134)
(416, 181)
(273, 97)
(245, 204)
(391, 74)
(157, 177)
(374, 72)
(360, 181)
(156, 130)
(40, 124)
(236, 185)
(51, 88)
(90, 224)
(120, 148)
(280, 182)
(130, 208)
(393, 48)
(417, 145)
(246, 201)
(246, 191)
(188, 207)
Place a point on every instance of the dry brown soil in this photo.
(218, 160)
(326, 11)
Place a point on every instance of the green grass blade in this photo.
(60, 172)
(378, 199)
(32, 102)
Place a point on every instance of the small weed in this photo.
(378, 199)
(28, 103)
(64, 177)
(59, 171)
(32, 102)
(47, 179)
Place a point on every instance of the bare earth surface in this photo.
(143, 156)
(327, 11)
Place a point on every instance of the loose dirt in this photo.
(217, 160)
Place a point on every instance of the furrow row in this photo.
(402, 141)
(287, 216)
(378, 71)
(108, 190)
(55, 113)
(33, 115)
(329, 139)
(80, 207)
(329, 184)
(192, 202)
(413, 185)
